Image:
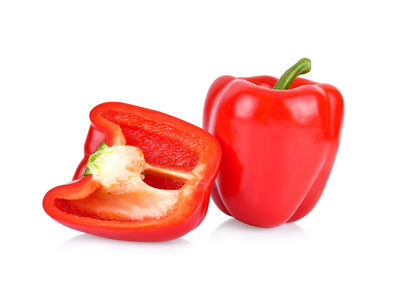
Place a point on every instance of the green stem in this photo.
(303, 66)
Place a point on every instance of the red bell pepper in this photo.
(278, 145)
(145, 176)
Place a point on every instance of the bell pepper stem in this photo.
(303, 66)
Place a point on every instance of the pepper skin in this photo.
(178, 157)
(278, 146)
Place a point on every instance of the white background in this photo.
(58, 59)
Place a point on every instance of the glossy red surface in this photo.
(278, 146)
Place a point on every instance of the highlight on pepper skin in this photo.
(151, 184)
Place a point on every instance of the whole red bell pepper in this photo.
(145, 176)
(278, 145)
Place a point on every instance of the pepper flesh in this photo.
(160, 188)
(278, 146)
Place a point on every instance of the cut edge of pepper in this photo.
(192, 199)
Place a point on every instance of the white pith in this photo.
(120, 166)
(120, 169)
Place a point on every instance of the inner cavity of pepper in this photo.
(130, 188)
(162, 144)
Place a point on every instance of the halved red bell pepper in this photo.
(145, 176)
(278, 145)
